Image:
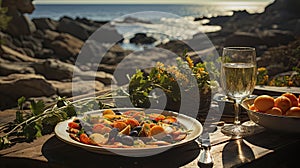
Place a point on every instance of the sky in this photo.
(147, 1)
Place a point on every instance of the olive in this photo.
(137, 128)
(113, 133)
(89, 133)
(76, 120)
(168, 138)
(127, 140)
(118, 113)
(176, 124)
(134, 133)
(86, 126)
(154, 121)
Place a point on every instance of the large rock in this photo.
(64, 45)
(12, 55)
(243, 39)
(45, 23)
(276, 37)
(77, 29)
(22, 6)
(60, 71)
(55, 70)
(76, 88)
(142, 38)
(20, 25)
(15, 86)
(7, 68)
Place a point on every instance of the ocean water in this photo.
(167, 21)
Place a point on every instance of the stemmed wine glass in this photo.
(238, 78)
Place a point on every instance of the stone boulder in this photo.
(76, 88)
(76, 29)
(53, 69)
(142, 38)
(20, 25)
(64, 45)
(15, 56)
(7, 68)
(45, 23)
(276, 37)
(243, 39)
(15, 86)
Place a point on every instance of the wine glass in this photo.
(238, 78)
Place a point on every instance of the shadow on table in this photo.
(236, 152)
(60, 153)
(13, 162)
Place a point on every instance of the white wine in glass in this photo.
(238, 79)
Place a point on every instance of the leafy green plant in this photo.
(4, 19)
(41, 120)
(169, 79)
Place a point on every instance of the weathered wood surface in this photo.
(48, 151)
(264, 149)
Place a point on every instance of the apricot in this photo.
(157, 132)
(292, 98)
(264, 103)
(274, 111)
(283, 103)
(293, 111)
(253, 108)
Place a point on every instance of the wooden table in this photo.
(264, 149)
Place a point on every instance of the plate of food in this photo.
(133, 132)
(280, 113)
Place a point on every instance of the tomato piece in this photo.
(170, 120)
(132, 122)
(97, 128)
(157, 117)
(84, 138)
(74, 125)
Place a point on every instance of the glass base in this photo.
(237, 131)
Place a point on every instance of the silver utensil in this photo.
(205, 157)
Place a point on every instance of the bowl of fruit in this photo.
(281, 113)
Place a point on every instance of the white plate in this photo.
(287, 124)
(188, 122)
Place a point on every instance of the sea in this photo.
(167, 21)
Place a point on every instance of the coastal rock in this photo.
(70, 89)
(64, 45)
(176, 46)
(20, 25)
(276, 37)
(15, 86)
(142, 38)
(8, 68)
(243, 39)
(107, 34)
(15, 56)
(53, 69)
(76, 29)
(19, 5)
(45, 23)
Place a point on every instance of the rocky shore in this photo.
(37, 56)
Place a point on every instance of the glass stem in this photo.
(237, 112)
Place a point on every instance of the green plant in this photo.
(170, 79)
(4, 19)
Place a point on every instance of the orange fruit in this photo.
(293, 111)
(283, 103)
(292, 98)
(264, 102)
(274, 111)
(253, 108)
